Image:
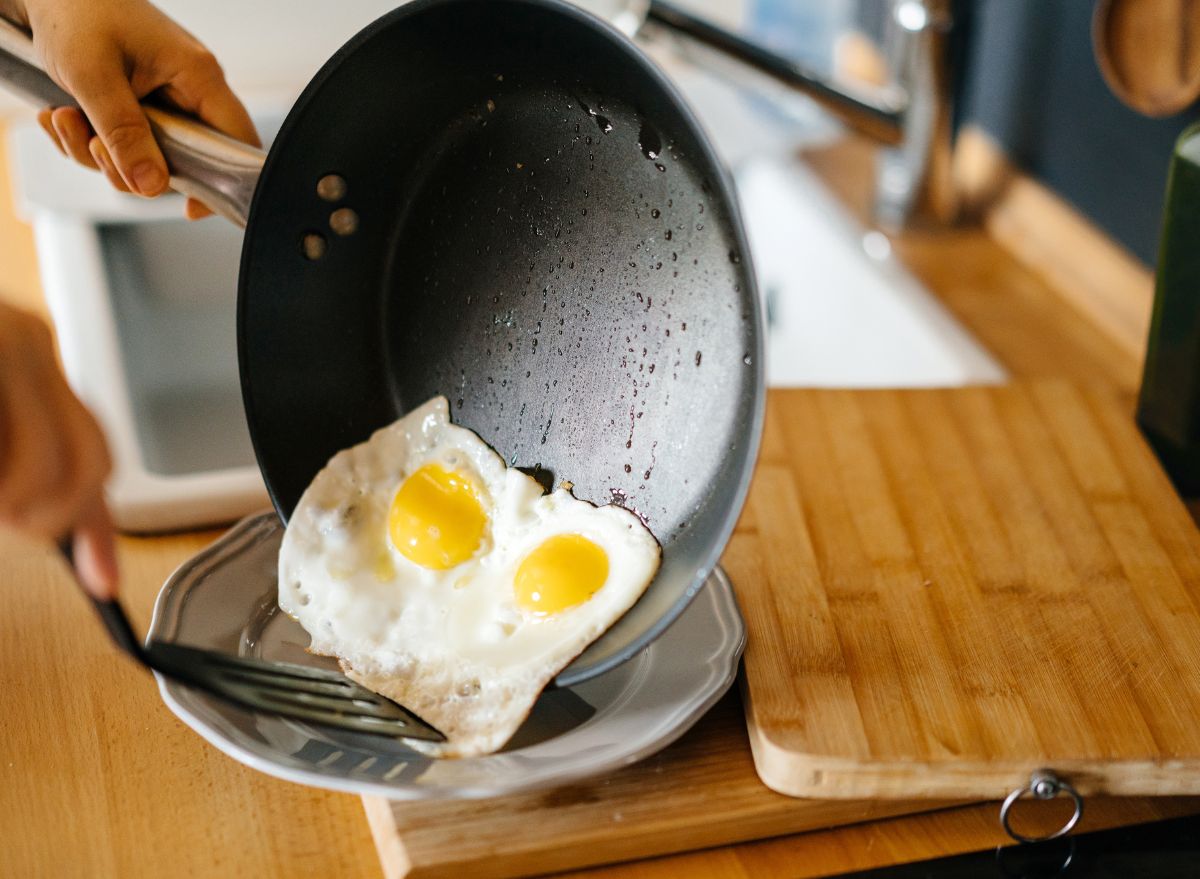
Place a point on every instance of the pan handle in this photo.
(204, 164)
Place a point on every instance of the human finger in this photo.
(95, 553)
(100, 154)
(83, 465)
(196, 210)
(43, 118)
(33, 457)
(114, 112)
(74, 133)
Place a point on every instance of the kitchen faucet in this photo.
(911, 116)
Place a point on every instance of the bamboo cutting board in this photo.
(946, 590)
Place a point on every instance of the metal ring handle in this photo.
(1043, 785)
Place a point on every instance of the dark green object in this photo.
(1169, 403)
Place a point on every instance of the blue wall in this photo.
(1032, 82)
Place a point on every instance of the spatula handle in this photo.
(204, 164)
(110, 611)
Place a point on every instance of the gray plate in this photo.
(224, 599)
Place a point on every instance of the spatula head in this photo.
(310, 694)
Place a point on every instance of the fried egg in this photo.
(451, 583)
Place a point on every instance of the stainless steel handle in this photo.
(204, 164)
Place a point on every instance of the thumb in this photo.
(95, 551)
(111, 107)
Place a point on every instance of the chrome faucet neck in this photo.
(912, 117)
(914, 181)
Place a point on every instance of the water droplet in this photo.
(628, 468)
(668, 235)
(655, 212)
(734, 258)
(649, 141)
(747, 360)
(660, 166)
(698, 355)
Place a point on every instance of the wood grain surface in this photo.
(1032, 280)
(946, 590)
(1109, 287)
(699, 793)
(882, 843)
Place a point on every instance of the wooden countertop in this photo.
(98, 778)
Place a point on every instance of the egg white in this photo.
(450, 645)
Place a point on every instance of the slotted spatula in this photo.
(310, 694)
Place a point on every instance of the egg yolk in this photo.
(436, 519)
(564, 571)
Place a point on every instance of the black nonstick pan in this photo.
(503, 202)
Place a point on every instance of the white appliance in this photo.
(144, 307)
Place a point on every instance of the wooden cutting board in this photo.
(948, 589)
(700, 792)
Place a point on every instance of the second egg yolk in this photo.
(436, 519)
(565, 570)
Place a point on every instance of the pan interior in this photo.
(545, 241)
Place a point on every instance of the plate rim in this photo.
(709, 691)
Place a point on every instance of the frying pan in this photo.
(504, 202)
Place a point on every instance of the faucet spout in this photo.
(876, 113)
(911, 117)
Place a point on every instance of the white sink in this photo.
(842, 312)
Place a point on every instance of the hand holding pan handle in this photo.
(209, 166)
